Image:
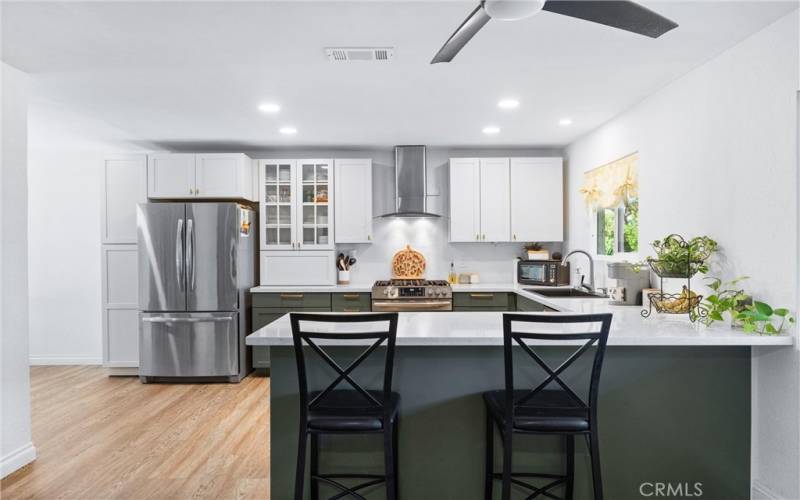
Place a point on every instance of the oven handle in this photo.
(393, 306)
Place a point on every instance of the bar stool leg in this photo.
(396, 448)
(489, 459)
(388, 462)
(597, 482)
(314, 484)
(299, 475)
(507, 465)
(570, 452)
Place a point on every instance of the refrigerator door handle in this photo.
(179, 254)
(190, 253)
(159, 319)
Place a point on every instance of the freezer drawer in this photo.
(188, 345)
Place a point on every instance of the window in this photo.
(617, 229)
(612, 194)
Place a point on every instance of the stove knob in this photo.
(442, 292)
(431, 292)
(386, 291)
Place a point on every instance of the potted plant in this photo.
(678, 258)
(727, 298)
(536, 252)
(761, 318)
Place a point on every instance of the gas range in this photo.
(412, 295)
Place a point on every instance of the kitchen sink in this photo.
(566, 293)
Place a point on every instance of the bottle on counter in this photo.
(452, 278)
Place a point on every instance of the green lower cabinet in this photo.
(351, 302)
(525, 304)
(484, 301)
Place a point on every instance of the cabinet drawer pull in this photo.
(351, 309)
(481, 295)
(351, 296)
(291, 295)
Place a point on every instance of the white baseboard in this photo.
(762, 492)
(17, 459)
(62, 360)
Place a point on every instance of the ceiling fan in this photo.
(622, 14)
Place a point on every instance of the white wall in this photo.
(16, 446)
(718, 157)
(66, 157)
(494, 262)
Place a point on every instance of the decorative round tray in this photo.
(408, 264)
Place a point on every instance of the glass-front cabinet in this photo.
(296, 204)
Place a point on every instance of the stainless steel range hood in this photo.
(410, 175)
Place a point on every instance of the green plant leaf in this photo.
(716, 316)
(782, 312)
(770, 328)
(749, 327)
(713, 299)
(763, 308)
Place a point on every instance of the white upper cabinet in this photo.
(506, 199)
(296, 208)
(465, 192)
(353, 200)
(214, 175)
(125, 185)
(170, 176)
(537, 199)
(224, 176)
(494, 200)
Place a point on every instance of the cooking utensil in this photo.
(350, 262)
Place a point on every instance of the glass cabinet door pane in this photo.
(308, 174)
(272, 214)
(308, 214)
(285, 194)
(272, 236)
(322, 235)
(322, 193)
(272, 194)
(308, 194)
(285, 174)
(308, 235)
(272, 173)
(286, 235)
(285, 218)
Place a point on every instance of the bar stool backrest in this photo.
(598, 337)
(365, 327)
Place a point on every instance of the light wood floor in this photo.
(102, 438)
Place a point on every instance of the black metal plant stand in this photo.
(685, 302)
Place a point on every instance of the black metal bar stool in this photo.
(346, 411)
(557, 411)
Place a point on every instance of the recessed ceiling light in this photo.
(565, 122)
(508, 104)
(269, 107)
(491, 130)
(287, 130)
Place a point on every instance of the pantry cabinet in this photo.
(201, 176)
(353, 200)
(479, 200)
(537, 199)
(506, 199)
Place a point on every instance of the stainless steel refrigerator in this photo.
(196, 264)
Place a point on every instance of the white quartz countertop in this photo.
(458, 328)
(355, 287)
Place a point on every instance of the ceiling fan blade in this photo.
(462, 35)
(625, 15)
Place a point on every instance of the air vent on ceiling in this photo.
(347, 54)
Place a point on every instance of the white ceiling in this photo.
(194, 72)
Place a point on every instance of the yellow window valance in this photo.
(612, 184)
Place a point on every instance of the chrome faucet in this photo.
(590, 286)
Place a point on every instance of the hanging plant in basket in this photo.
(678, 258)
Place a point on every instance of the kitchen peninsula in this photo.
(699, 423)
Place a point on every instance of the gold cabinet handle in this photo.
(515, 237)
(481, 295)
(196, 190)
(291, 295)
(351, 296)
(369, 237)
(191, 191)
(477, 236)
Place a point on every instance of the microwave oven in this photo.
(542, 272)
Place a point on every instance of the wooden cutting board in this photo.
(408, 264)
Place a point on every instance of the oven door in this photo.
(532, 273)
(411, 305)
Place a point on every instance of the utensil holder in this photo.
(344, 277)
